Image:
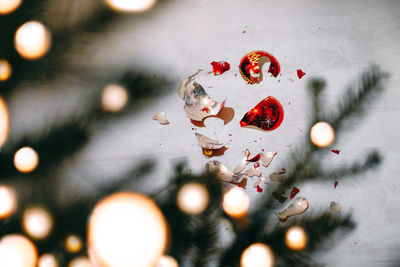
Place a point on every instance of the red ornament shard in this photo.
(255, 159)
(300, 73)
(294, 192)
(220, 67)
(336, 183)
(259, 189)
(335, 151)
(251, 66)
(266, 116)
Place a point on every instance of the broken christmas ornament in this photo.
(266, 116)
(298, 206)
(243, 163)
(208, 145)
(198, 104)
(252, 63)
(336, 207)
(267, 157)
(223, 172)
(220, 67)
(161, 118)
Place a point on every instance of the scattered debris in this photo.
(161, 118)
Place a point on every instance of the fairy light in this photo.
(296, 238)
(17, 251)
(130, 5)
(257, 255)
(5, 70)
(26, 159)
(166, 261)
(37, 222)
(73, 244)
(193, 198)
(9, 6)
(114, 98)
(126, 229)
(47, 260)
(322, 134)
(8, 201)
(4, 121)
(236, 202)
(32, 40)
(80, 262)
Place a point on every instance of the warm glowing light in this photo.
(4, 121)
(17, 251)
(296, 238)
(8, 201)
(126, 229)
(73, 244)
(5, 69)
(8, 6)
(37, 222)
(166, 261)
(32, 40)
(322, 134)
(131, 5)
(257, 255)
(236, 202)
(193, 198)
(114, 98)
(26, 159)
(80, 262)
(47, 260)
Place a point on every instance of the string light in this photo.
(166, 261)
(26, 159)
(296, 238)
(236, 202)
(32, 40)
(17, 251)
(8, 201)
(4, 121)
(257, 255)
(47, 260)
(37, 222)
(80, 262)
(5, 70)
(73, 244)
(8, 6)
(114, 98)
(193, 198)
(126, 229)
(131, 5)
(322, 134)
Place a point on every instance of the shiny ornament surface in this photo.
(251, 66)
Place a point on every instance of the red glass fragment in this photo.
(256, 165)
(300, 73)
(279, 196)
(266, 116)
(220, 67)
(251, 66)
(294, 192)
(255, 159)
(259, 189)
(336, 183)
(335, 151)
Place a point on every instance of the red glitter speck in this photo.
(335, 151)
(230, 134)
(300, 73)
(244, 31)
(205, 109)
(336, 183)
(294, 192)
(259, 189)
(220, 67)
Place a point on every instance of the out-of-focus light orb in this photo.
(257, 255)
(17, 251)
(80, 262)
(193, 198)
(8, 6)
(296, 238)
(26, 159)
(73, 244)
(166, 261)
(114, 98)
(5, 69)
(8, 201)
(37, 222)
(4, 121)
(47, 260)
(322, 134)
(131, 5)
(236, 202)
(126, 229)
(32, 40)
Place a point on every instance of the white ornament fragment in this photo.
(161, 118)
(266, 158)
(208, 143)
(223, 172)
(336, 207)
(243, 163)
(298, 206)
(260, 181)
(253, 172)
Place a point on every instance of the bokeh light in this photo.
(296, 238)
(5, 70)
(236, 202)
(37, 222)
(193, 198)
(126, 229)
(166, 261)
(4, 121)
(47, 260)
(8, 6)
(131, 5)
(322, 134)
(17, 251)
(26, 159)
(80, 262)
(257, 255)
(32, 40)
(114, 98)
(73, 244)
(8, 201)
